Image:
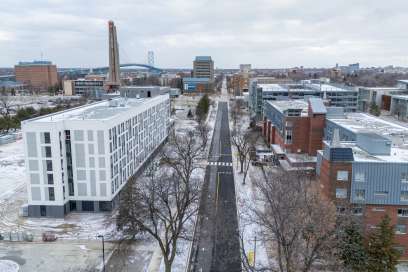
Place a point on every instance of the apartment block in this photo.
(332, 95)
(294, 129)
(80, 159)
(364, 165)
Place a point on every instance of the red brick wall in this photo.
(316, 132)
(372, 218)
(328, 179)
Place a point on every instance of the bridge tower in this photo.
(113, 82)
(150, 58)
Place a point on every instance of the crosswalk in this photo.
(220, 163)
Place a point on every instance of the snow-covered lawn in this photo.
(12, 171)
(13, 195)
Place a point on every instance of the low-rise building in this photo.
(194, 84)
(333, 95)
(80, 159)
(380, 96)
(294, 129)
(143, 91)
(84, 87)
(399, 107)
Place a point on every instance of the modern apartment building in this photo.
(203, 67)
(294, 129)
(80, 159)
(332, 95)
(380, 96)
(364, 165)
(38, 75)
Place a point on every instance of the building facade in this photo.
(332, 95)
(80, 159)
(203, 67)
(38, 75)
(294, 129)
(364, 167)
(83, 87)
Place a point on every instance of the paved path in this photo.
(216, 241)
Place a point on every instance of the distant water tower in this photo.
(150, 58)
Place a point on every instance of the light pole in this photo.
(103, 250)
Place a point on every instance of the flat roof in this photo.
(305, 87)
(284, 105)
(103, 110)
(363, 123)
(397, 154)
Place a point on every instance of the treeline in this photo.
(9, 122)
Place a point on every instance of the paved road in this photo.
(216, 243)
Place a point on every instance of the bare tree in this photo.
(236, 112)
(296, 220)
(203, 130)
(163, 202)
(7, 102)
(244, 141)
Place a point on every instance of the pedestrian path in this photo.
(220, 163)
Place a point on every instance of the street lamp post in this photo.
(103, 250)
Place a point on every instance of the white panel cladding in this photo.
(90, 151)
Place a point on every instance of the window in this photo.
(404, 196)
(47, 139)
(43, 210)
(381, 193)
(340, 209)
(51, 196)
(404, 177)
(288, 137)
(342, 175)
(403, 212)
(358, 211)
(48, 151)
(401, 229)
(359, 194)
(87, 206)
(50, 178)
(400, 249)
(49, 165)
(341, 193)
(359, 177)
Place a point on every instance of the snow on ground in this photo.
(246, 195)
(12, 170)
(8, 266)
(13, 195)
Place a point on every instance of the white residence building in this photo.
(80, 159)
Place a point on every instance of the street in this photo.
(216, 244)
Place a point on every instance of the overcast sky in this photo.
(265, 33)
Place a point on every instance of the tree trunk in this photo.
(167, 266)
(242, 165)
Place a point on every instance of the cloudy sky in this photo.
(266, 33)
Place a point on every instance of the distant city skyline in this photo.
(267, 34)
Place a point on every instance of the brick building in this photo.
(38, 75)
(294, 129)
(364, 165)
